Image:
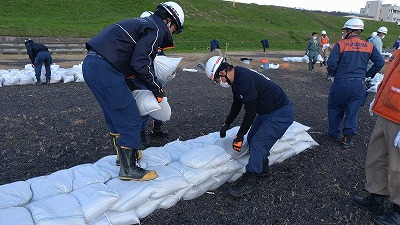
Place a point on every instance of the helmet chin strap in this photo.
(226, 77)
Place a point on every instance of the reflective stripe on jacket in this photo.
(387, 99)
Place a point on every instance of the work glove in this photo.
(131, 84)
(33, 65)
(159, 95)
(397, 140)
(368, 83)
(237, 143)
(370, 107)
(222, 132)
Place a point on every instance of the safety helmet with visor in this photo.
(213, 66)
(175, 13)
(354, 24)
(323, 32)
(383, 30)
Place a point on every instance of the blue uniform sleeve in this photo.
(333, 60)
(29, 51)
(234, 112)
(248, 119)
(378, 61)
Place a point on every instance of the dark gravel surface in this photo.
(49, 128)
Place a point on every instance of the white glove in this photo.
(370, 107)
(397, 140)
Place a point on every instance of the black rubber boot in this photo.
(244, 185)
(265, 171)
(129, 170)
(47, 81)
(144, 143)
(346, 142)
(114, 141)
(373, 203)
(157, 130)
(389, 218)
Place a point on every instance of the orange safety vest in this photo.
(387, 99)
(324, 40)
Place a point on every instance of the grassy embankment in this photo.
(241, 27)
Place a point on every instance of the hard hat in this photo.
(374, 34)
(212, 66)
(146, 14)
(323, 32)
(176, 12)
(354, 24)
(27, 41)
(382, 30)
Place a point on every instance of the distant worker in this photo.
(396, 44)
(214, 44)
(325, 47)
(38, 54)
(373, 34)
(347, 64)
(377, 40)
(312, 50)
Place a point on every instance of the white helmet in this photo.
(146, 14)
(176, 12)
(323, 32)
(212, 66)
(374, 34)
(382, 30)
(354, 24)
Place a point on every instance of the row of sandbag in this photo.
(93, 194)
(25, 76)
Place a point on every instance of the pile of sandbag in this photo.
(93, 193)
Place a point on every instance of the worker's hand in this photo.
(237, 143)
(33, 65)
(222, 132)
(159, 95)
(131, 84)
(370, 107)
(397, 140)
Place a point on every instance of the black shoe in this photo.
(330, 137)
(129, 170)
(373, 203)
(346, 142)
(265, 175)
(47, 81)
(157, 130)
(244, 185)
(389, 218)
(38, 83)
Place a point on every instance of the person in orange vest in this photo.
(383, 156)
(325, 47)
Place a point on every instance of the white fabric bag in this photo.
(163, 114)
(145, 101)
(165, 67)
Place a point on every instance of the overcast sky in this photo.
(323, 5)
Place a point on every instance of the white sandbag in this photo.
(198, 190)
(171, 200)
(175, 149)
(62, 209)
(301, 146)
(156, 156)
(132, 193)
(297, 128)
(95, 199)
(59, 182)
(79, 77)
(10, 80)
(55, 78)
(286, 154)
(221, 179)
(169, 181)
(230, 167)
(117, 218)
(24, 79)
(280, 146)
(145, 101)
(226, 144)
(236, 176)
(164, 113)
(205, 157)
(164, 67)
(108, 164)
(15, 216)
(67, 78)
(86, 174)
(319, 58)
(194, 176)
(14, 194)
(305, 59)
(148, 207)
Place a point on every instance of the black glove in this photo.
(237, 143)
(131, 84)
(222, 132)
(159, 95)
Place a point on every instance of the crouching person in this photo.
(268, 111)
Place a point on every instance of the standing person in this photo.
(312, 50)
(383, 156)
(396, 44)
(347, 64)
(268, 111)
(373, 34)
(38, 54)
(325, 47)
(377, 39)
(123, 50)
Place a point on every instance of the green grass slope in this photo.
(240, 27)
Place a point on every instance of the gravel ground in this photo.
(49, 128)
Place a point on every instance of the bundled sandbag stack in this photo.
(93, 193)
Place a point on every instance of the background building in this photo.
(377, 11)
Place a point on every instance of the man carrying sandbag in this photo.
(125, 49)
(268, 111)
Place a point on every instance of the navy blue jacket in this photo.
(131, 46)
(33, 49)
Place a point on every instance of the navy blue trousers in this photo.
(111, 91)
(264, 132)
(43, 57)
(346, 97)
